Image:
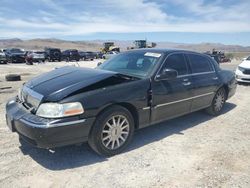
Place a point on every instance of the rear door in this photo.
(205, 80)
(172, 98)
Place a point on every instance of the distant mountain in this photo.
(96, 45)
(203, 47)
(40, 44)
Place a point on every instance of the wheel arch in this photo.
(131, 108)
(226, 88)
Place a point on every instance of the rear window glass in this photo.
(200, 64)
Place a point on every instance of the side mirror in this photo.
(99, 63)
(167, 74)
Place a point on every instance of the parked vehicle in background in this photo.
(99, 55)
(53, 54)
(3, 59)
(215, 57)
(71, 55)
(218, 56)
(243, 71)
(15, 55)
(82, 54)
(130, 91)
(109, 46)
(35, 56)
(138, 44)
(90, 56)
(108, 55)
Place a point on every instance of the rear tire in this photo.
(218, 103)
(112, 131)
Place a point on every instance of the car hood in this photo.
(62, 82)
(245, 64)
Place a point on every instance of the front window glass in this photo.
(176, 62)
(248, 58)
(138, 64)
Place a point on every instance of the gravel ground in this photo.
(195, 150)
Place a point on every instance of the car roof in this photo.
(161, 50)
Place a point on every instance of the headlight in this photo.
(55, 110)
(240, 69)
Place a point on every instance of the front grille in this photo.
(246, 79)
(30, 98)
(246, 71)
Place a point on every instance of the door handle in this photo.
(186, 83)
(215, 78)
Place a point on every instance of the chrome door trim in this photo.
(182, 100)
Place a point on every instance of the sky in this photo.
(196, 21)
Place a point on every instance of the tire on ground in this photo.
(211, 110)
(95, 136)
(13, 77)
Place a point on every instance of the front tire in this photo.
(218, 103)
(112, 131)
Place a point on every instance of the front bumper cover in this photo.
(46, 133)
(240, 77)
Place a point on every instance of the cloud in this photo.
(53, 18)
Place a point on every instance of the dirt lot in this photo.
(192, 151)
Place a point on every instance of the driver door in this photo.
(172, 98)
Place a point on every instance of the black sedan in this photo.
(71, 55)
(104, 106)
(15, 55)
(88, 55)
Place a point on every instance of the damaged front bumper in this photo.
(46, 133)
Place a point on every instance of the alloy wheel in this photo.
(219, 100)
(115, 132)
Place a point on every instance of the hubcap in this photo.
(115, 132)
(219, 101)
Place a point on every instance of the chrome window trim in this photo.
(182, 100)
(195, 74)
(172, 53)
(186, 54)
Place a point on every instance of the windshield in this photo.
(74, 52)
(137, 64)
(15, 50)
(248, 58)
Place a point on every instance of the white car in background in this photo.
(108, 55)
(243, 71)
(3, 59)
